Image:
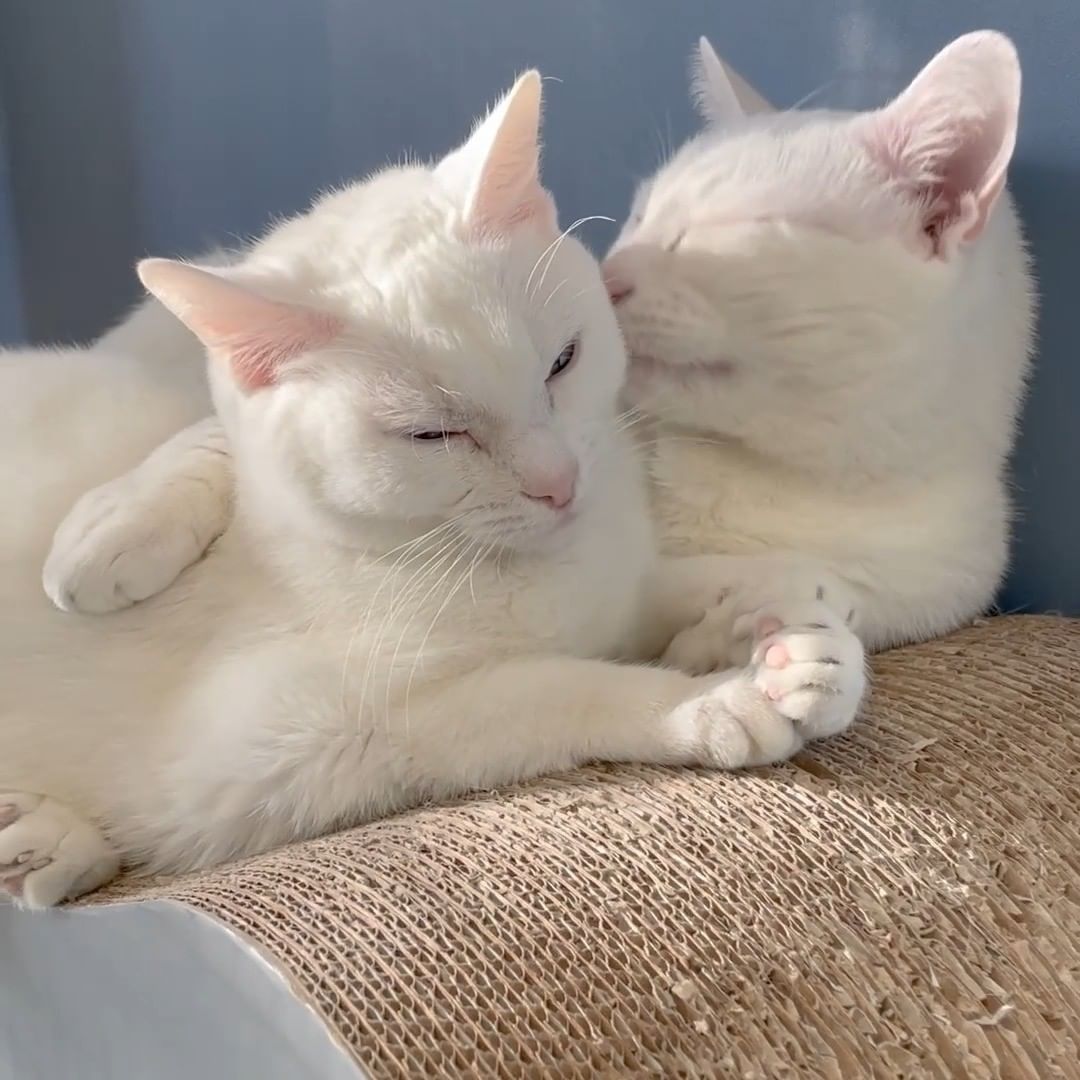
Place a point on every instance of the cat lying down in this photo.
(439, 570)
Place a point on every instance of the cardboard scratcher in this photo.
(903, 901)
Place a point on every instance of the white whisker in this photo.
(408, 555)
(553, 249)
(420, 606)
(555, 290)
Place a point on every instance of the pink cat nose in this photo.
(555, 486)
(618, 288)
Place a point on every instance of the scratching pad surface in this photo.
(903, 901)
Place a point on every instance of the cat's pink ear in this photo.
(721, 95)
(257, 335)
(498, 168)
(949, 137)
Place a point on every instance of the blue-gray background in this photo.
(130, 127)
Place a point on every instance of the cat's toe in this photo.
(739, 727)
(706, 646)
(48, 853)
(14, 805)
(813, 669)
(10, 812)
(111, 553)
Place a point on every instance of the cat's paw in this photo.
(126, 541)
(805, 680)
(724, 636)
(708, 645)
(735, 725)
(810, 665)
(48, 853)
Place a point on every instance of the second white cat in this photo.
(829, 318)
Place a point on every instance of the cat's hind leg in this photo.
(48, 852)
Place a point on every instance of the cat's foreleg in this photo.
(532, 716)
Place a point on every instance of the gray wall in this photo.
(136, 126)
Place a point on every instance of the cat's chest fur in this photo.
(923, 550)
(710, 496)
(707, 498)
(585, 603)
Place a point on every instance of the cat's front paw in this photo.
(48, 853)
(129, 540)
(709, 645)
(805, 680)
(810, 665)
(736, 726)
(724, 636)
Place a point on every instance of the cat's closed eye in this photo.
(428, 436)
(564, 359)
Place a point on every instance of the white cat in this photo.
(829, 318)
(439, 527)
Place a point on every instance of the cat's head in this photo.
(777, 264)
(421, 347)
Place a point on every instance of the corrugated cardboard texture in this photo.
(900, 902)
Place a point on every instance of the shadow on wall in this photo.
(64, 83)
(1046, 564)
(11, 317)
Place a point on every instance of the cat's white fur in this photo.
(829, 318)
(388, 618)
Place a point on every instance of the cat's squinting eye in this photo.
(564, 359)
(431, 436)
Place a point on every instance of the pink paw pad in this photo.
(768, 625)
(777, 656)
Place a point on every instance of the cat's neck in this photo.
(667, 443)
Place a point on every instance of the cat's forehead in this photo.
(392, 246)
(434, 306)
(457, 328)
(473, 367)
(798, 165)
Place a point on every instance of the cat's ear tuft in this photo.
(721, 95)
(255, 334)
(498, 168)
(949, 137)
